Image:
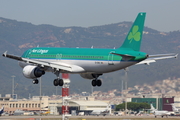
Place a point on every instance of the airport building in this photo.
(76, 106)
(34, 104)
(86, 104)
(43, 103)
(158, 103)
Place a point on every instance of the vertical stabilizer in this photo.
(1, 110)
(134, 37)
(152, 108)
(174, 108)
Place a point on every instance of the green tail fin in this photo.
(134, 37)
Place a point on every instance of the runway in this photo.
(88, 118)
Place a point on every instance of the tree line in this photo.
(133, 106)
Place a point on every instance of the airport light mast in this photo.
(126, 79)
(40, 97)
(13, 85)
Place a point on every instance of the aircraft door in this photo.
(110, 58)
(58, 57)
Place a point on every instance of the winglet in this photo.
(176, 55)
(4, 54)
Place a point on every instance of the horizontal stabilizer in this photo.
(153, 58)
(163, 55)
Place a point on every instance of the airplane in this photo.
(161, 113)
(22, 112)
(90, 63)
(1, 111)
(104, 112)
(174, 109)
(45, 113)
(100, 112)
(81, 113)
(19, 112)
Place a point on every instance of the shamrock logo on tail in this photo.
(134, 35)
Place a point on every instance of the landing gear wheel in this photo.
(93, 83)
(98, 83)
(56, 82)
(36, 81)
(61, 82)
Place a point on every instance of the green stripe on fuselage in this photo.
(82, 54)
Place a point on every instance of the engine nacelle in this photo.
(32, 72)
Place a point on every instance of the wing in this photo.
(153, 58)
(58, 66)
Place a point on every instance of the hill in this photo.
(16, 37)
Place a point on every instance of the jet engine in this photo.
(32, 72)
(89, 75)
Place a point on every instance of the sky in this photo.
(161, 15)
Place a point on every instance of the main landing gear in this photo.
(96, 82)
(58, 81)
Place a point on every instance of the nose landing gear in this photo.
(35, 81)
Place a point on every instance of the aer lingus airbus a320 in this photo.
(90, 63)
